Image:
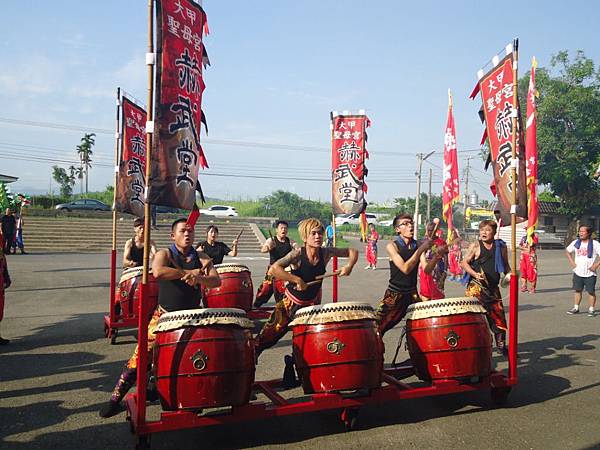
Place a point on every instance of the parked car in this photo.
(386, 223)
(219, 210)
(83, 204)
(354, 219)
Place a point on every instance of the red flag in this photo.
(193, 216)
(531, 156)
(450, 192)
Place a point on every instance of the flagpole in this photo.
(113, 252)
(514, 293)
(334, 286)
(142, 372)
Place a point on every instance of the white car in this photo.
(354, 219)
(220, 211)
(386, 223)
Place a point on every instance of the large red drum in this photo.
(449, 339)
(337, 347)
(204, 358)
(236, 289)
(129, 292)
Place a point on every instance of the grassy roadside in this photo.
(295, 236)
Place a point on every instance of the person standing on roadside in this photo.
(584, 265)
(9, 230)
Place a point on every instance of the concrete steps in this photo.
(64, 234)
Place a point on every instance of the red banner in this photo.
(132, 163)
(450, 191)
(497, 95)
(348, 164)
(176, 151)
(531, 156)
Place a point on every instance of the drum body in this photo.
(236, 289)
(449, 339)
(337, 347)
(129, 292)
(210, 364)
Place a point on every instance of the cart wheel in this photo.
(500, 395)
(350, 418)
(113, 336)
(143, 442)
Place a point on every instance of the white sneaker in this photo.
(573, 311)
(368, 267)
(591, 313)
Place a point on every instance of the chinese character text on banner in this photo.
(450, 192)
(531, 156)
(177, 154)
(132, 162)
(348, 164)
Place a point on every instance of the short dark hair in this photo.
(138, 221)
(281, 222)
(208, 228)
(400, 217)
(177, 221)
(489, 223)
(587, 227)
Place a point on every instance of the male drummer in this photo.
(133, 254)
(277, 247)
(180, 270)
(216, 249)
(307, 262)
(485, 260)
(404, 254)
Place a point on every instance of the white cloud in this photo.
(39, 75)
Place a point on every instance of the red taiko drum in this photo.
(129, 291)
(236, 289)
(204, 358)
(337, 347)
(449, 339)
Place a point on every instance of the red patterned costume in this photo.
(528, 263)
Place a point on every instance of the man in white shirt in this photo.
(585, 264)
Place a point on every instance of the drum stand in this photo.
(393, 388)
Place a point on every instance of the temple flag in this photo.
(131, 176)
(531, 156)
(177, 154)
(348, 169)
(450, 191)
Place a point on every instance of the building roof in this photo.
(544, 207)
(7, 179)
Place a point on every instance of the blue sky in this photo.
(278, 68)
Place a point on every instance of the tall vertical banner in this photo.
(348, 163)
(177, 154)
(531, 156)
(132, 162)
(450, 190)
(496, 89)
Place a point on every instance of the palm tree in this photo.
(84, 150)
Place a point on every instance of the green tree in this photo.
(64, 180)
(568, 129)
(84, 150)
(290, 206)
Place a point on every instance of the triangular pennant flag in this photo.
(203, 120)
(193, 216)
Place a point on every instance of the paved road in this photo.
(59, 369)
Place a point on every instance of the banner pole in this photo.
(514, 292)
(142, 374)
(113, 252)
(334, 286)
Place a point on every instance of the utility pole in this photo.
(429, 197)
(467, 169)
(420, 158)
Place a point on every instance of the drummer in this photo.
(216, 249)
(307, 263)
(133, 254)
(277, 247)
(180, 270)
(404, 254)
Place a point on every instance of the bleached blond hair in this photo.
(306, 225)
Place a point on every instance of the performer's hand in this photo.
(200, 249)
(235, 243)
(344, 271)
(479, 276)
(442, 250)
(426, 244)
(271, 244)
(190, 278)
(301, 285)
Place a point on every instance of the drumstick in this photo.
(239, 234)
(320, 278)
(436, 222)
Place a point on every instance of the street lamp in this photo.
(420, 158)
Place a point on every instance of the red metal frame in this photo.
(392, 390)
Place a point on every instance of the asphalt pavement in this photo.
(59, 369)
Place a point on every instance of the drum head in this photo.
(333, 312)
(131, 272)
(444, 307)
(228, 268)
(203, 317)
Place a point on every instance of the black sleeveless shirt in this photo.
(136, 254)
(308, 273)
(487, 262)
(216, 251)
(399, 281)
(175, 295)
(281, 249)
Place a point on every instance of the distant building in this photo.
(7, 179)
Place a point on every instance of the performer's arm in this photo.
(469, 257)
(234, 251)
(268, 246)
(409, 265)
(596, 264)
(350, 253)
(207, 274)
(277, 269)
(504, 253)
(161, 269)
(127, 262)
(153, 250)
(440, 254)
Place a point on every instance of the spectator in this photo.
(584, 265)
(9, 230)
(4, 284)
